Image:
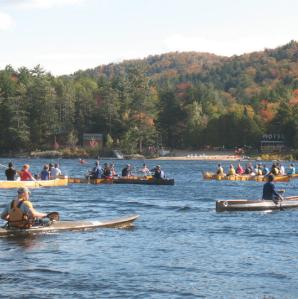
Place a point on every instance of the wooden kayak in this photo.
(34, 184)
(256, 205)
(144, 180)
(243, 177)
(57, 226)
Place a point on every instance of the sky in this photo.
(64, 36)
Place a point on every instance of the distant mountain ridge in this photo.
(177, 64)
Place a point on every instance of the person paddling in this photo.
(10, 172)
(19, 213)
(25, 174)
(158, 173)
(126, 171)
(269, 192)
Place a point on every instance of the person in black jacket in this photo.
(10, 172)
(269, 192)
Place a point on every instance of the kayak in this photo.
(256, 205)
(243, 177)
(144, 180)
(34, 184)
(57, 226)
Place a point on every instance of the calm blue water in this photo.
(179, 248)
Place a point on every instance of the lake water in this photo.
(179, 247)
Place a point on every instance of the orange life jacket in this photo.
(16, 216)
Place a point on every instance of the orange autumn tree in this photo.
(268, 110)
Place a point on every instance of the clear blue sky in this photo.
(67, 35)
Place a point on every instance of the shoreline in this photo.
(202, 158)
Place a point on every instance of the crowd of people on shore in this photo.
(259, 169)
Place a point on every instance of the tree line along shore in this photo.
(174, 100)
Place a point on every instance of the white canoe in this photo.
(57, 226)
(256, 205)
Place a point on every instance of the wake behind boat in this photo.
(256, 205)
(57, 226)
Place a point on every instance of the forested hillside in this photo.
(175, 100)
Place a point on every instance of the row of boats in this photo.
(64, 181)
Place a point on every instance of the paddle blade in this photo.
(53, 216)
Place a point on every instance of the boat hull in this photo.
(58, 226)
(124, 180)
(244, 177)
(34, 184)
(256, 205)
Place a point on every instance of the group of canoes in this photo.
(271, 199)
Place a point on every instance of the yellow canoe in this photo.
(243, 177)
(34, 184)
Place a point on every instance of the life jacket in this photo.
(25, 175)
(16, 216)
(231, 171)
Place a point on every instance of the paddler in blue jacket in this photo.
(269, 192)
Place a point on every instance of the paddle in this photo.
(1, 165)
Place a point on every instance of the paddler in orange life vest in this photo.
(20, 213)
(25, 174)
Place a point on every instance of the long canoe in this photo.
(34, 184)
(124, 180)
(58, 226)
(256, 205)
(243, 177)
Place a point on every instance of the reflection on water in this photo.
(179, 248)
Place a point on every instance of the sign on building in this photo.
(272, 143)
(92, 140)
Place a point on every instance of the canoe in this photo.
(34, 184)
(143, 181)
(124, 180)
(89, 181)
(58, 226)
(243, 177)
(256, 205)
